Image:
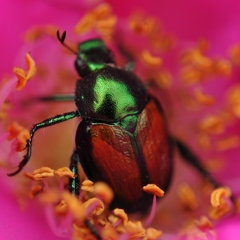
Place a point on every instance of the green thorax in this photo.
(110, 94)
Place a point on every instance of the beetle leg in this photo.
(46, 123)
(193, 160)
(74, 189)
(74, 183)
(57, 98)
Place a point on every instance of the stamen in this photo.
(228, 143)
(153, 234)
(100, 19)
(109, 232)
(87, 186)
(94, 206)
(61, 209)
(233, 98)
(188, 198)
(102, 11)
(198, 67)
(86, 24)
(20, 133)
(204, 223)
(142, 26)
(150, 60)
(43, 172)
(218, 213)
(35, 33)
(164, 79)
(212, 124)
(218, 194)
(65, 171)
(223, 67)
(153, 189)
(22, 76)
(75, 207)
(103, 192)
(135, 230)
(34, 191)
(203, 98)
(6, 88)
(204, 140)
(114, 220)
(221, 202)
(235, 54)
(122, 215)
(5, 106)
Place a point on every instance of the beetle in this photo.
(123, 137)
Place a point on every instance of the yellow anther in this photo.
(235, 54)
(41, 173)
(150, 60)
(37, 32)
(187, 197)
(218, 194)
(102, 11)
(234, 100)
(121, 214)
(75, 207)
(20, 133)
(65, 171)
(98, 206)
(87, 186)
(204, 223)
(135, 230)
(228, 143)
(212, 125)
(100, 19)
(203, 98)
(223, 67)
(61, 209)
(204, 140)
(86, 24)
(34, 191)
(21, 75)
(190, 74)
(164, 79)
(104, 192)
(219, 212)
(153, 189)
(145, 26)
(153, 234)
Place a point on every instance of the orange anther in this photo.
(104, 192)
(218, 194)
(21, 75)
(153, 189)
(65, 171)
(97, 204)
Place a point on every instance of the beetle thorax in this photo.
(110, 94)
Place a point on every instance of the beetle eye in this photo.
(81, 67)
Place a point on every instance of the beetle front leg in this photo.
(46, 123)
(193, 160)
(74, 183)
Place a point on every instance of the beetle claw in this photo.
(14, 173)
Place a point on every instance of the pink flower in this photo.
(189, 52)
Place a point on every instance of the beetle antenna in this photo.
(62, 39)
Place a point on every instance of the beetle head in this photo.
(92, 55)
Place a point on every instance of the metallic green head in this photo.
(92, 55)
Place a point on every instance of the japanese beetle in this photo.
(122, 138)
